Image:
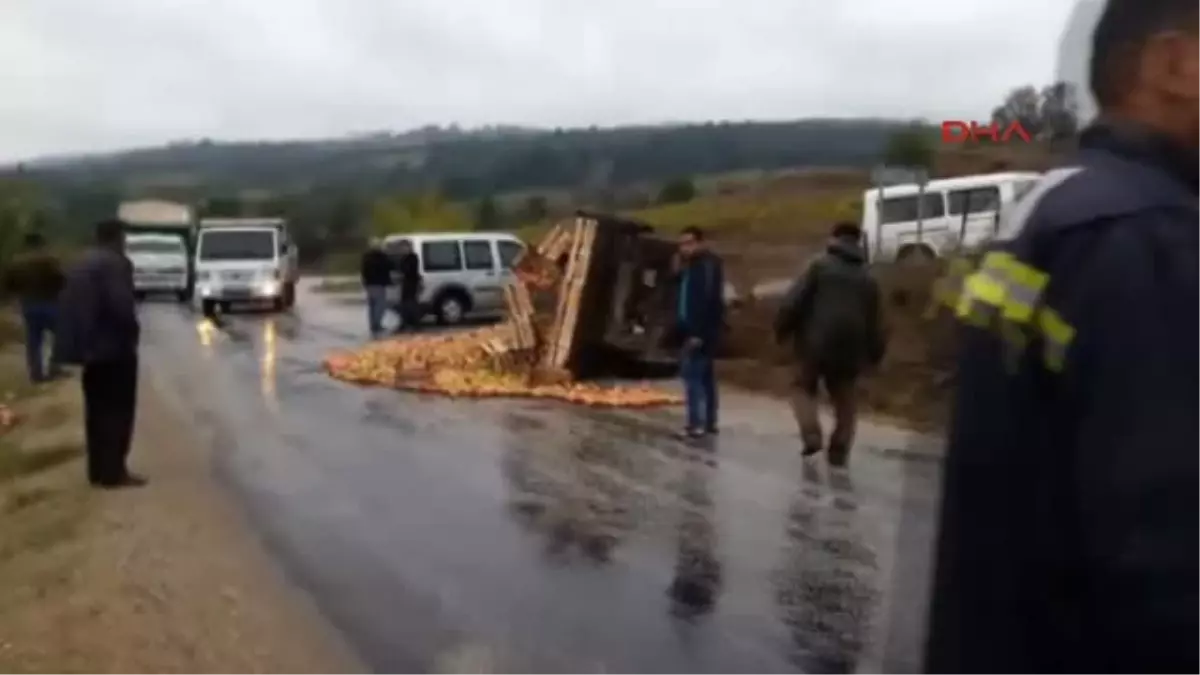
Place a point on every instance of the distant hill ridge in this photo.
(470, 163)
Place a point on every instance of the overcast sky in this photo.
(88, 75)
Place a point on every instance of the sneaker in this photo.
(810, 450)
(712, 431)
(689, 434)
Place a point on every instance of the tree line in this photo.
(336, 192)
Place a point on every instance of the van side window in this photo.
(904, 209)
(441, 256)
(974, 200)
(479, 255)
(509, 252)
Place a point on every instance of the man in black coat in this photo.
(375, 271)
(99, 329)
(1069, 527)
(832, 317)
(408, 268)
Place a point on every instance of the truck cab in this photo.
(160, 264)
(245, 261)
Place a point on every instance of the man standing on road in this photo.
(409, 268)
(1069, 528)
(35, 276)
(832, 315)
(700, 319)
(376, 271)
(99, 330)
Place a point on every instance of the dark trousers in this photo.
(841, 384)
(40, 318)
(109, 405)
(376, 308)
(699, 389)
(410, 312)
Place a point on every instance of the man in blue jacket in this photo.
(1069, 528)
(700, 319)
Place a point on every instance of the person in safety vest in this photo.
(1069, 527)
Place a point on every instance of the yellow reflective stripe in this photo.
(981, 287)
(1023, 284)
(1003, 285)
(1056, 336)
(1025, 287)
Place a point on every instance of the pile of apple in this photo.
(461, 365)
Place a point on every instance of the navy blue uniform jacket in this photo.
(1069, 528)
(701, 301)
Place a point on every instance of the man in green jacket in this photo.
(832, 317)
(35, 277)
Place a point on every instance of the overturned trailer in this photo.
(597, 298)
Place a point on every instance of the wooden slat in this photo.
(526, 335)
(570, 324)
(565, 288)
(553, 235)
(567, 318)
(565, 242)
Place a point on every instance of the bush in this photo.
(678, 191)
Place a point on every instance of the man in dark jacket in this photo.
(408, 267)
(700, 319)
(99, 330)
(36, 278)
(376, 273)
(832, 316)
(1069, 528)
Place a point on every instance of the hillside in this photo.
(466, 165)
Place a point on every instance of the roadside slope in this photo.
(161, 579)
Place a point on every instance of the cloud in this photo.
(86, 75)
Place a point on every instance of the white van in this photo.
(462, 273)
(245, 260)
(160, 264)
(902, 221)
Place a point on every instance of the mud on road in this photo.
(506, 535)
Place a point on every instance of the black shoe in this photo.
(810, 450)
(712, 431)
(129, 480)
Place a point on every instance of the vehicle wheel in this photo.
(139, 295)
(451, 309)
(224, 307)
(182, 296)
(208, 307)
(279, 304)
(915, 254)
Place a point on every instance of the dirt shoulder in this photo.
(160, 579)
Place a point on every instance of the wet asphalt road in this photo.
(500, 535)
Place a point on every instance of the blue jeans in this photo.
(40, 319)
(699, 389)
(376, 307)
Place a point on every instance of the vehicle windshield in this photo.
(153, 246)
(237, 245)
